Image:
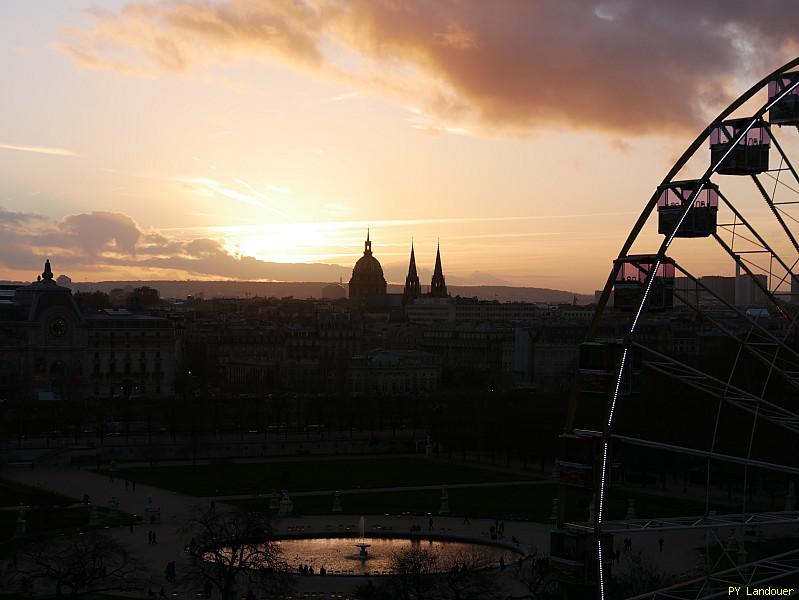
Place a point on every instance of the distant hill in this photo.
(313, 289)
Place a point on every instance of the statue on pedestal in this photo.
(443, 509)
(630, 516)
(22, 525)
(286, 506)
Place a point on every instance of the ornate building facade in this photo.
(50, 350)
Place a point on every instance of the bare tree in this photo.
(636, 575)
(79, 565)
(421, 573)
(467, 575)
(536, 575)
(413, 567)
(231, 546)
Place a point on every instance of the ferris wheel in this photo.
(692, 378)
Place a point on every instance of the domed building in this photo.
(367, 276)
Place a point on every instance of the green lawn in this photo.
(522, 502)
(297, 476)
(12, 493)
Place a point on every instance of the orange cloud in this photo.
(616, 66)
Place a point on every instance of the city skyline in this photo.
(224, 140)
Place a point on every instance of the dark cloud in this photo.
(10, 217)
(101, 231)
(617, 65)
(104, 241)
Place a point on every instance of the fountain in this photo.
(363, 553)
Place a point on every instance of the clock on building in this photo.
(58, 327)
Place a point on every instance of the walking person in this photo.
(430, 523)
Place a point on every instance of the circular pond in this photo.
(343, 555)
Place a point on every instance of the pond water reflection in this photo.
(340, 556)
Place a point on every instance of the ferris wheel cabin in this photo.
(786, 110)
(577, 454)
(700, 221)
(573, 557)
(631, 282)
(749, 156)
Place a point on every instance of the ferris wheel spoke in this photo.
(770, 203)
(782, 183)
(781, 308)
(758, 350)
(773, 339)
(718, 388)
(761, 241)
(783, 156)
(756, 574)
(716, 456)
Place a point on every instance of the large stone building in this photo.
(49, 350)
(367, 276)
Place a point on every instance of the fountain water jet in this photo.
(363, 553)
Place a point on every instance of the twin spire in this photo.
(438, 287)
(413, 288)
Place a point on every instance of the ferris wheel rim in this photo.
(658, 258)
(689, 152)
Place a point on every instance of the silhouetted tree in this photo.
(90, 302)
(230, 547)
(421, 573)
(79, 565)
(536, 575)
(142, 298)
(636, 575)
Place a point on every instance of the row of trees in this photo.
(227, 552)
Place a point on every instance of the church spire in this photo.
(438, 286)
(413, 289)
(367, 246)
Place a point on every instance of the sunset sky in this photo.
(214, 139)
